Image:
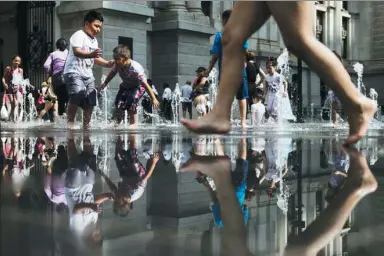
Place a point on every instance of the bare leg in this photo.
(360, 182)
(55, 110)
(132, 119)
(119, 116)
(47, 107)
(243, 112)
(71, 114)
(295, 23)
(246, 18)
(87, 117)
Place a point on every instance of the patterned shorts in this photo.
(127, 99)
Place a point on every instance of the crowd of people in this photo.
(71, 83)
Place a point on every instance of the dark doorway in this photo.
(1, 57)
(35, 32)
(127, 41)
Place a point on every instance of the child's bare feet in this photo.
(71, 125)
(360, 177)
(359, 119)
(209, 123)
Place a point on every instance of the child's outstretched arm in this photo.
(109, 77)
(150, 92)
(154, 160)
(104, 63)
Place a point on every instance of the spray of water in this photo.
(284, 109)
(176, 102)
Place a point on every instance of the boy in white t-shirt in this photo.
(84, 51)
(257, 108)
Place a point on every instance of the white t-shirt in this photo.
(132, 75)
(258, 112)
(167, 94)
(275, 83)
(78, 65)
(82, 194)
(137, 193)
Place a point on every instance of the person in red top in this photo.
(11, 90)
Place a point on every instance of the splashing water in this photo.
(212, 80)
(359, 69)
(283, 63)
(374, 96)
(285, 109)
(176, 101)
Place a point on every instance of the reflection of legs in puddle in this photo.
(219, 169)
(360, 183)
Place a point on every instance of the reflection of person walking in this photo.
(167, 102)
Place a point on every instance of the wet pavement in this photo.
(169, 192)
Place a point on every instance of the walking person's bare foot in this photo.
(359, 119)
(210, 123)
(208, 165)
(360, 178)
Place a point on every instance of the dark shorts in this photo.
(81, 90)
(82, 161)
(187, 106)
(127, 99)
(130, 168)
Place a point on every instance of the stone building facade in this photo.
(171, 38)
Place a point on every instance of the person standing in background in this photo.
(255, 76)
(54, 66)
(186, 99)
(147, 103)
(167, 102)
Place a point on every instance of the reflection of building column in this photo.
(194, 6)
(176, 6)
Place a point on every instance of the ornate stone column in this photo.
(177, 6)
(194, 6)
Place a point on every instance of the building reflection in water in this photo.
(107, 194)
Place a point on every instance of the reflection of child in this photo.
(133, 86)
(341, 163)
(54, 184)
(239, 181)
(134, 177)
(82, 204)
(273, 166)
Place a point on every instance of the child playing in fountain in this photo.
(257, 108)
(133, 86)
(12, 91)
(274, 88)
(50, 100)
(200, 102)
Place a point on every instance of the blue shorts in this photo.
(242, 93)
